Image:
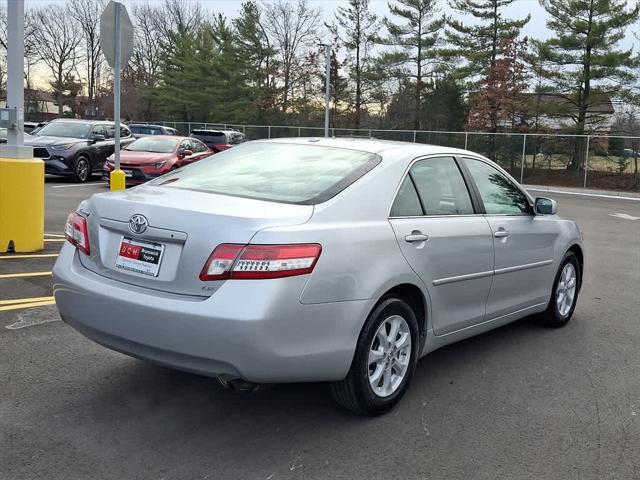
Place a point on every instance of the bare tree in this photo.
(294, 30)
(87, 15)
(57, 41)
(31, 58)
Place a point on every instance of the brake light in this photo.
(75, 230)
(223, 146)
(234, 261)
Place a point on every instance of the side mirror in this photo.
(186, 153)
(96, 137)
(546, 206)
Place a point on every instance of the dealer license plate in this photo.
(140, 257)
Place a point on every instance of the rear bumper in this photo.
(138, 177)
(254, 329)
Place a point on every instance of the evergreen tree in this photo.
(416, 38)
(585, 64)
(478, 42)
(356, 26)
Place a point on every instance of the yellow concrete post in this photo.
(21, 205)
(117, 180)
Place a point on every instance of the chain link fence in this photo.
(585, 161)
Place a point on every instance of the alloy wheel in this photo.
(389, 356)
(566, 289)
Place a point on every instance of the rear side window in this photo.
(407, 203)
(287, 173)
(210, 137)
(440, 188)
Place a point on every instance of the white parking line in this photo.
(80, 185)
(624, 216)
(30, 322)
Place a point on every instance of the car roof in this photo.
(148, 125)
(208, 130)
(372, 145)
(88, 122)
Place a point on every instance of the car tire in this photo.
(564, 295)
(82, 169)
(363, 390)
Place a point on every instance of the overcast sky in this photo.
(520, 8)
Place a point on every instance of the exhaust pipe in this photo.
(237, 384)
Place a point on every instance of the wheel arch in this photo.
(579, 253)
(415, 298)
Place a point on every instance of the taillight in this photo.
(223, 146)
(234, 261)
(76, 232)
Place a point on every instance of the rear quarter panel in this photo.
(360, 256)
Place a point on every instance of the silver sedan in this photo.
(295, 260)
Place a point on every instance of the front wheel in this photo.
(565, 292)
(82, 169)
(384, 361)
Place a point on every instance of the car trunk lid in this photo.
(182, 229)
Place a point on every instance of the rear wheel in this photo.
(384, 361)
(82, 169)
(565, 292)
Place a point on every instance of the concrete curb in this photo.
(585, 192)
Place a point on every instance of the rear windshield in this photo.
(145, 130)
(287, 173)
(211, 137)
(155, 145)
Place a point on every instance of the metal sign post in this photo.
(116, 42)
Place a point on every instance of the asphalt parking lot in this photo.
(520, 402)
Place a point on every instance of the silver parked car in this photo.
(291, 260)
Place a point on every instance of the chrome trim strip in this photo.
(461, 278)
(472, 276)
(526, 266)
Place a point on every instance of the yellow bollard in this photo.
(21, 205)
(117, 179)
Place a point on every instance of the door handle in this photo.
(416, 237)
(501, 233)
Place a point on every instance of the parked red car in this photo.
(149, 157)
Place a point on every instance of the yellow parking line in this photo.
(54, 235)
(21, 275)
(27, 305)
(55, 239)
(25, 300)
(35, 255)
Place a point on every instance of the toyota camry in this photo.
(296, 260)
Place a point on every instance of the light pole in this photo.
(327, 84)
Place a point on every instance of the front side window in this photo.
(441, 187)
(499, 194)
(289, 173)
(65, 129)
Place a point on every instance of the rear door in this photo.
(445, 242)
(523, 242)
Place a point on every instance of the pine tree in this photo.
(478, 43)
(417, 39)
(585, 63)
(358, 27)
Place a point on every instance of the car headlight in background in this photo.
(66, 146)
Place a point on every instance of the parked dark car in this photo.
(76, 148)
(155, 155)
(219, 140)
(143, 130)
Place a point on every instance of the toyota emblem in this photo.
(138, 223)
